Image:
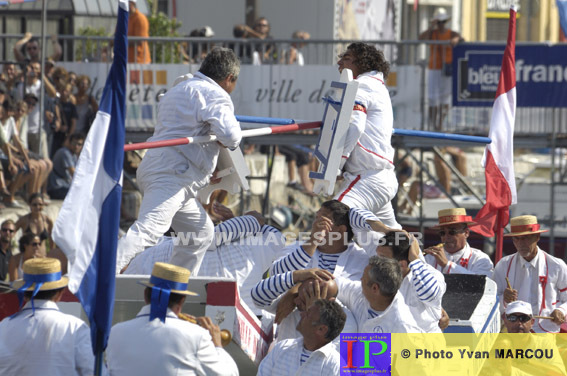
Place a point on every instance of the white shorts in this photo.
(439, 87)
(372, 191)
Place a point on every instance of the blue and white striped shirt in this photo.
(425, 284)
(305, 354)
(267, 290)
(236, 228)
(359, 217)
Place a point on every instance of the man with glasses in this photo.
(533, 276)
(518, 319)
(454, 255)
(28, 49)
(64, 163)
(7, 231)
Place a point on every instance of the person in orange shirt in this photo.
(440, 67)
(138, 26)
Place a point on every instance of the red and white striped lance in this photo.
(210, 138)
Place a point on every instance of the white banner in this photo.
(287, 91)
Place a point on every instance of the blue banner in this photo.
(541, 75)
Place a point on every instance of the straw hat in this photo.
(524, 225)
(168, 275)
(37, 268)
(453, 216)
(441, 14)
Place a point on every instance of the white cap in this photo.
(440, 14)
(519, 307)
(208, 32)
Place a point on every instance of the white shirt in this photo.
(8, 130)
(368, 141)
(466, 261)
(198, 107)
(285, 360)
(245, 260)
(423, 288)
(47, 342)
(545, 287)
(288, 327)
(176, 347)
(397, 318)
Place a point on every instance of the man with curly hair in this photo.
(367, 161)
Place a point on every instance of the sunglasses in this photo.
(450, 232)
(521, 318)
(36, 244)
(8, 230)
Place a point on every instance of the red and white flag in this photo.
(498, 159)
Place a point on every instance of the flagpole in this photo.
(499, 237)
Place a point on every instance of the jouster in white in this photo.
(368, 169)
(169, 178)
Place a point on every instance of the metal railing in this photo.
(539, 122)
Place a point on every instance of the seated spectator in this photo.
(29, 90)
(243, 50)
(313, 353)
(41, 340)
(64, 163)
(21, 118)
(264, 53)
(196, 52)
(294, 55)
(24, 168)
(28, 49)
(35, 222)
(31, 246)
(7, 247)
(10, 76)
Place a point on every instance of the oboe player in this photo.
(158, 342)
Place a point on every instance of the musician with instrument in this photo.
(159, 342)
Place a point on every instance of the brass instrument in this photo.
(226, 336)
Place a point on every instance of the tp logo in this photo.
(368, 353)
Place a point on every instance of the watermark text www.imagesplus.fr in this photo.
(273, 238)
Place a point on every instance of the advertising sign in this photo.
(541, 75)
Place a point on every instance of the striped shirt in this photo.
(267, 290)
(328, 261)
(305, 354)
(372, 313)
(425, 284)
(236, 228)
(296, 260)
(359, 219)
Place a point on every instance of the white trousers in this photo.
(165, 179)
(373, 191)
